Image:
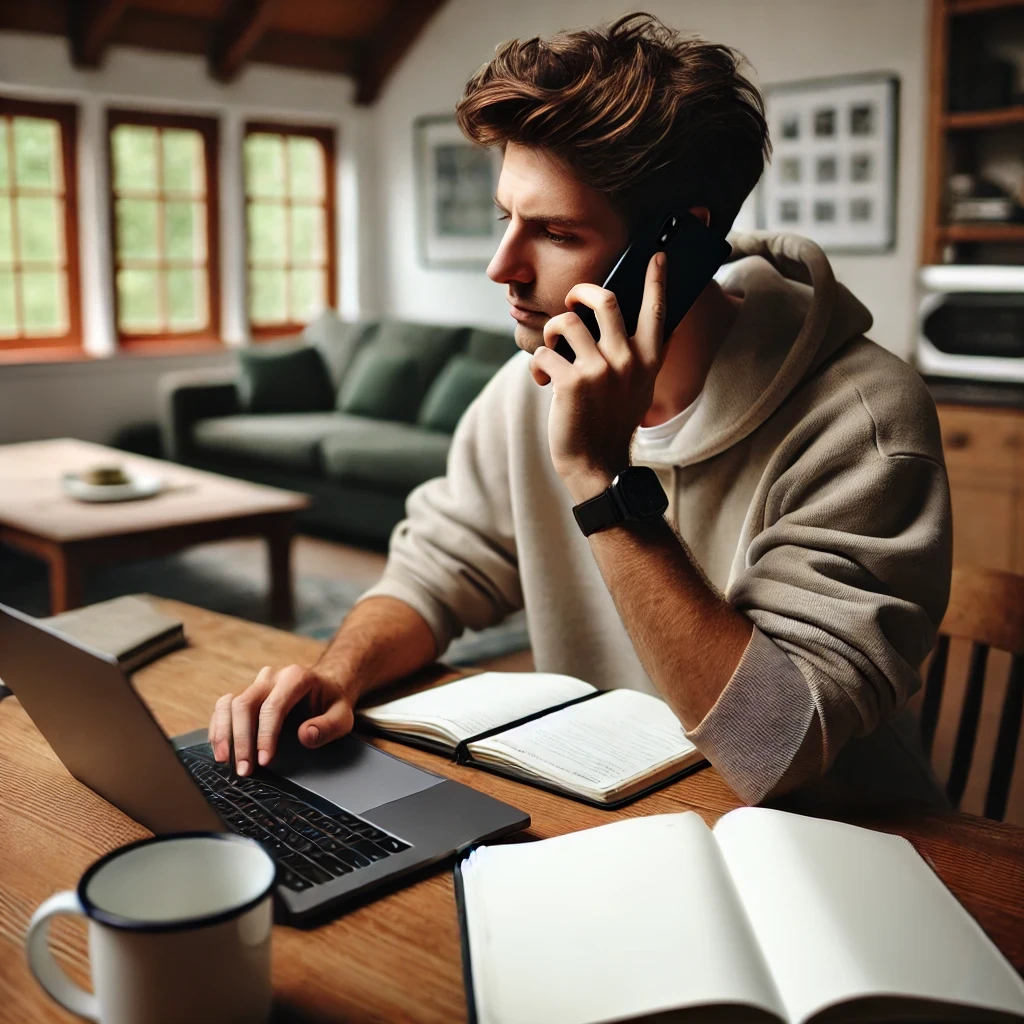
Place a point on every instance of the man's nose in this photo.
(510, 262)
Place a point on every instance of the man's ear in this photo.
(702, 213)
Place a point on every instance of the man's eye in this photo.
(559, 239)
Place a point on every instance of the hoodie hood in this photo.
(794, 317)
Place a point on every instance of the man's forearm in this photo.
(382, 639)
(688, 638)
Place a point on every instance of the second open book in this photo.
(554, 731)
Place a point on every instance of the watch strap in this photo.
(598, 513)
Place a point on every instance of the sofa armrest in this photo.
(184, 398)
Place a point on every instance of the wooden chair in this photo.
(986, 607)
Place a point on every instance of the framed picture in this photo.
(456, 181)
(833, 170)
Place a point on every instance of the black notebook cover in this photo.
(467, 965)
(461, 755)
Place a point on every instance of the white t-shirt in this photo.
(651, 442)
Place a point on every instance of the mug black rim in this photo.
(105, 917)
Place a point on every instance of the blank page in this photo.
(843, 912)
(598, 746)
(477, 703)
(609, 923)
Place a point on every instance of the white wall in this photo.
(92, 400)
(783, 39)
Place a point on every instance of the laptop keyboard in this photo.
(310, 847)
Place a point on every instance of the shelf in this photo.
(981, 233)
(965, 120)
(977, 6)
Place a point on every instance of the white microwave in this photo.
(971, 323)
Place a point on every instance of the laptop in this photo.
(341, 822)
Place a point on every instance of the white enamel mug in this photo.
(179, 930)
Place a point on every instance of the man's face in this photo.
(560, 233)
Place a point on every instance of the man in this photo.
(784, 603)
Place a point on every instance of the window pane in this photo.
(266, 232)
(186, 300)
(6, 240)
(264, 165)
(134, 154)
(307, 234)
(37, 153)
(8, 315)
(305, 168)
(4, 178)
(184, 237)
(40, 238)
(183, 161)
(307, 294)
(138, 300)
(137, 228)
(43, 297)
(267, 302)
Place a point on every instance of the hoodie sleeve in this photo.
(846, 584)
(453, 558)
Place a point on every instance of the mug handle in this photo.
(48, 972)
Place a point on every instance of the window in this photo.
(38, 237)
(289, 205)
(164, 194)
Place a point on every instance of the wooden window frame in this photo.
(66, 114)
(209, 129)
(326, 137)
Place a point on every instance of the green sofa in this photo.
(354, 414)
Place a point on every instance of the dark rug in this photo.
(228, 582)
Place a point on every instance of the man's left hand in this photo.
(599, 400)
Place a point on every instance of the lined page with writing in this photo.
(843, 912)
(601, 747)
(473, 705)
(611, 923)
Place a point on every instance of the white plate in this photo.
(140, 485)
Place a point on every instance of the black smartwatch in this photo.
(635, 494)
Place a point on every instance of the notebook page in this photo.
(598, 745)
(842, 911)
(611, 922)
(477, 703)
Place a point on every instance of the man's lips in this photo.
(523, 312)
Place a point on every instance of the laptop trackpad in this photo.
(349, 772)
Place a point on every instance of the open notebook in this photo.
(557, 732)
(769, 917)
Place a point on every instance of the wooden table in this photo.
(396, 959)
(37, 517)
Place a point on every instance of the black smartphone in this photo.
(694, 253)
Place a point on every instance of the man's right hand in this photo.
(253, 719)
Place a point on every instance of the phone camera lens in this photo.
(663, 239)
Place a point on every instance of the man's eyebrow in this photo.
(566, 222)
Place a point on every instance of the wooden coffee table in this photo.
(37, 517)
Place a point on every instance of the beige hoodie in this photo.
(809, 486)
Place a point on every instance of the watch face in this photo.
(642, 492)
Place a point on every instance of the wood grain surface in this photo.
(397, 958)
(32, 500)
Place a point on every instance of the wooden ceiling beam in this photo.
(237, 35)
(390, 43)
(91, 24)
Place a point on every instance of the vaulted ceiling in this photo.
(363, 39)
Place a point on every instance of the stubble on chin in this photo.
(529, 339)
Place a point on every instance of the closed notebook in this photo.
(768, 917)
(128, 628)
(553, 731)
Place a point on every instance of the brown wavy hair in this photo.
(637, 111)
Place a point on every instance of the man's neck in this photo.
(691, 349)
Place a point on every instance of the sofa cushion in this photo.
(287, 440)
(391, 456)
(337, 341)
(461, 380)
(491, 346)
(382, 383)
(293, 379)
